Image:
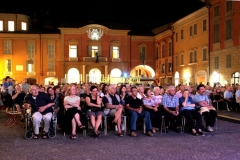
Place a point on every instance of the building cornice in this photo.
(27, 36)
(190, 18)
(85, 28)
(164, 34)
(142, 38)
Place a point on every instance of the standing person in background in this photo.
(25, 86)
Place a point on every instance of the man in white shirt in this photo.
(228, 98)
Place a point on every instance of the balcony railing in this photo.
(51, 73)
(116, 59)
(93, 59)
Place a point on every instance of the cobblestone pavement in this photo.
(223, 144)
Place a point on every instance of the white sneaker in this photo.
(210, 129)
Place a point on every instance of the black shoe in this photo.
(166, 130)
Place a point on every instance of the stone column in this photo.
(106, 73)
(84, 74)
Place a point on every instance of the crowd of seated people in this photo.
(96, 101)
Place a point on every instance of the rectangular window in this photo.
(169, 67)
(195, 57)
(9, 65)
(31, 51)
(228, 6)
(204, 25)
(51, 65)
(195, 29)
(7, 47)
(216, 11)
(191, 31)
(216, 62)
(24, 26)
(30, 57)
(10, 25)
(73, 51)
(182, 59)
(205, 56)
(163, 50)
(163, 68)
(191, 57)
(94, 51)
(229, 29)
(176, 37)
(182, 36)
(169, 48)
(51, 58)
(228, 61)
(115, 52)
(216, 33)
(1, 25)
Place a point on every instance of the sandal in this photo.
(81, 126)
(73, 136)
(95, 133)
(45, 135)
(36, 136)
(194, 132)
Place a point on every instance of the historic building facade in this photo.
(224, 41)
(164, 54)
(89, 53)
(191, 47)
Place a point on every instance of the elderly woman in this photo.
(73, 109)
(94, 109)
(187, 108)
(152, 106)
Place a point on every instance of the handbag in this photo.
(205, 109)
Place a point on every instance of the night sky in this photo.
(139, 16)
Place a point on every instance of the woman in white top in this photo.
(73, 109)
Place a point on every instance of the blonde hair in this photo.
(69, 88)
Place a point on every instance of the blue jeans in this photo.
(134, 117)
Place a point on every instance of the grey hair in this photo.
(169, 87)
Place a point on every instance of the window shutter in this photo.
(111, 52)
(89, 51)
(99, 51)
(27, 65)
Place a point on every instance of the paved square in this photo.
(223, 144)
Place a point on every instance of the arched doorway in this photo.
(235, 78)
(73, 76)
(115, 76)
(51, 80)
(201, 77)
(177, 78)
(143, 71)
(95, 75)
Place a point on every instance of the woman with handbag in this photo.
(94, 109)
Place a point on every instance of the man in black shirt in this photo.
(134, 109)
(41, 108)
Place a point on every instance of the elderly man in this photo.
(134, 109)
(170, 104)
(207, 110)
(114, 107)
(41, 108)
